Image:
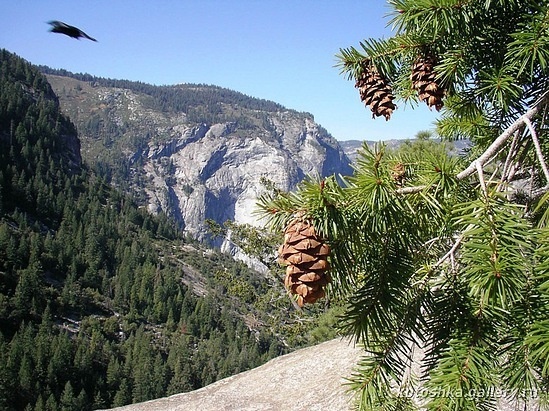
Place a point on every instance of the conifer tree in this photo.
(442, 260)
(123, 395)
(51, 403)
(68, 400)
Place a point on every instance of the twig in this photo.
(508, 167)
(538, 148)
(481, 178)
(449, 254)
(411, 190)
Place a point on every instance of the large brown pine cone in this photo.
(424, 81)
(305, 255)
(375, 91)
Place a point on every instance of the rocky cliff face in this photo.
(215, 171)
(197, 170)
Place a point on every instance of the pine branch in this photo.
(428, 16)
(492, 150)
(386, 55)
(502, 139)
(464, 368)
(389, 361)
(539, 153)
(411, 190)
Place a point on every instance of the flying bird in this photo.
(71, 31)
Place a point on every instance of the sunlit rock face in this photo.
(316, 374)
(218, 174)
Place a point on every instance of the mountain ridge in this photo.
(192, 157)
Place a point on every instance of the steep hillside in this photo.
(195, 152)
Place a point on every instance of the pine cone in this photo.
(375, 91)
(424, 81)
(305, 255)
(398, 172)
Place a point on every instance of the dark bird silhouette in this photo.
(71, 31)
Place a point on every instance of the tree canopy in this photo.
(441, 260)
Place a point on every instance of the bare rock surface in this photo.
(312, 378)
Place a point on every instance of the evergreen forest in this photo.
(95, 311)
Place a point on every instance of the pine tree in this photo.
(68, 400)
(123, 396)
(40, 404)
(447, 256)
(51, 403)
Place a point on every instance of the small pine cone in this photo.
(424, 81)
(305, 255)
(398, 172)
(375, 92)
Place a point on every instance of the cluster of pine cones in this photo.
(305, 255)
(376, 92)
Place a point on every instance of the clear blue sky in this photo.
(280, 50)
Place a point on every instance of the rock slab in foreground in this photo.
(308, 379)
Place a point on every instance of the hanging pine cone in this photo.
(375, 91)
(305, 255)
(424, 81)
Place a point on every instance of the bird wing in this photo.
(59, 24)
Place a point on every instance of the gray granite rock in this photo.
(308, 379)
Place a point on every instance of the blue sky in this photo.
(276, 50)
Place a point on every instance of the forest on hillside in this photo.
(93, 309)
